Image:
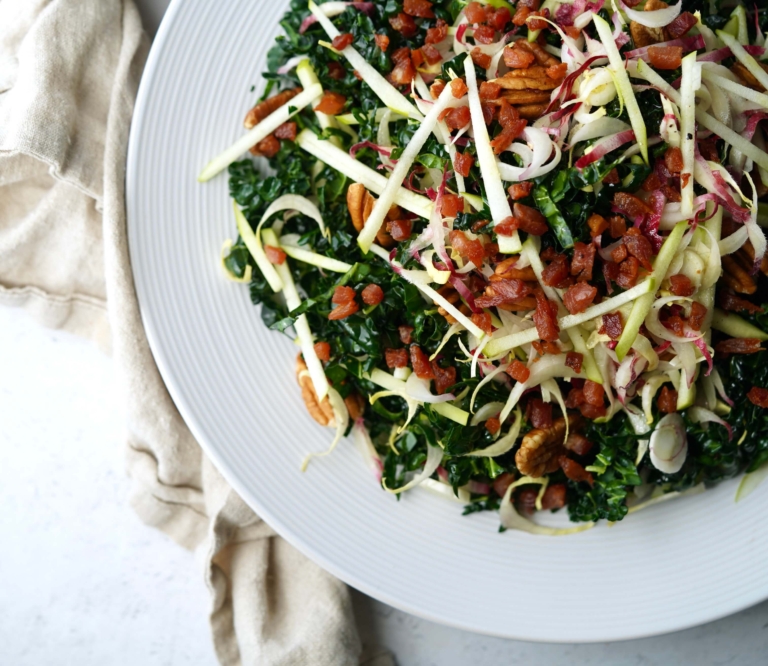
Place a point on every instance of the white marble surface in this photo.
(82, 581)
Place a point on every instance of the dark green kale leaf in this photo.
(614, 472)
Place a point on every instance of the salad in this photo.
(519, 246)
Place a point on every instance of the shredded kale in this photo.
(566, 197)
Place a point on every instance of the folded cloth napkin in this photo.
(69, 70)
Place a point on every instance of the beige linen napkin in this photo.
(69, 71)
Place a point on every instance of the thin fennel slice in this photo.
(341, 421)
(744, 58)
(399, 173)
(531, 248)
(398, 387)
(750, 482)
(740, 90)
(505, 443)
(253, 243)
(315, 259)
(344, 163)
(512, 520)
(690, 82)
(514, 340)
(733, 325)
(386, 92)
(434, 457)
(253, 240)
(260, 131)
(760, 157)
(494, 188)
(658, 18)
(420, 279)
(547, 367)
(642, 306)
(706, 296)
(623, 84)
(301, 325)
(665, 497)
(308, 77)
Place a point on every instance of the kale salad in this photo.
(519, 245)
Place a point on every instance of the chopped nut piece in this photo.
(541, 448)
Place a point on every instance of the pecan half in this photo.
(355, 405)
(747, 77)
(736, 277)
(543, 58)
(533, 78)
(540, 449)
(360, 203)
(750, 252)
(320, 411)
(526, 97)
(453, 297)
(528, 88)
(643, 36)
(532, 111)
(762, 188)
(263, 109)
(356, 199)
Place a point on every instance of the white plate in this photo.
(672, 566)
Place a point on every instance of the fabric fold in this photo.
(69, 72)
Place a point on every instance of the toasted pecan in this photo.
(533, 78)
(543, 58)
(541, 447)
(356, 196)
(747, 77)
(736, 277)
(452, 296)
(360, 203)
(643, 36)
(355, 405)
(322, 412)
(263, 109)
(532, 111)
(750, 251)
(526, 98)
